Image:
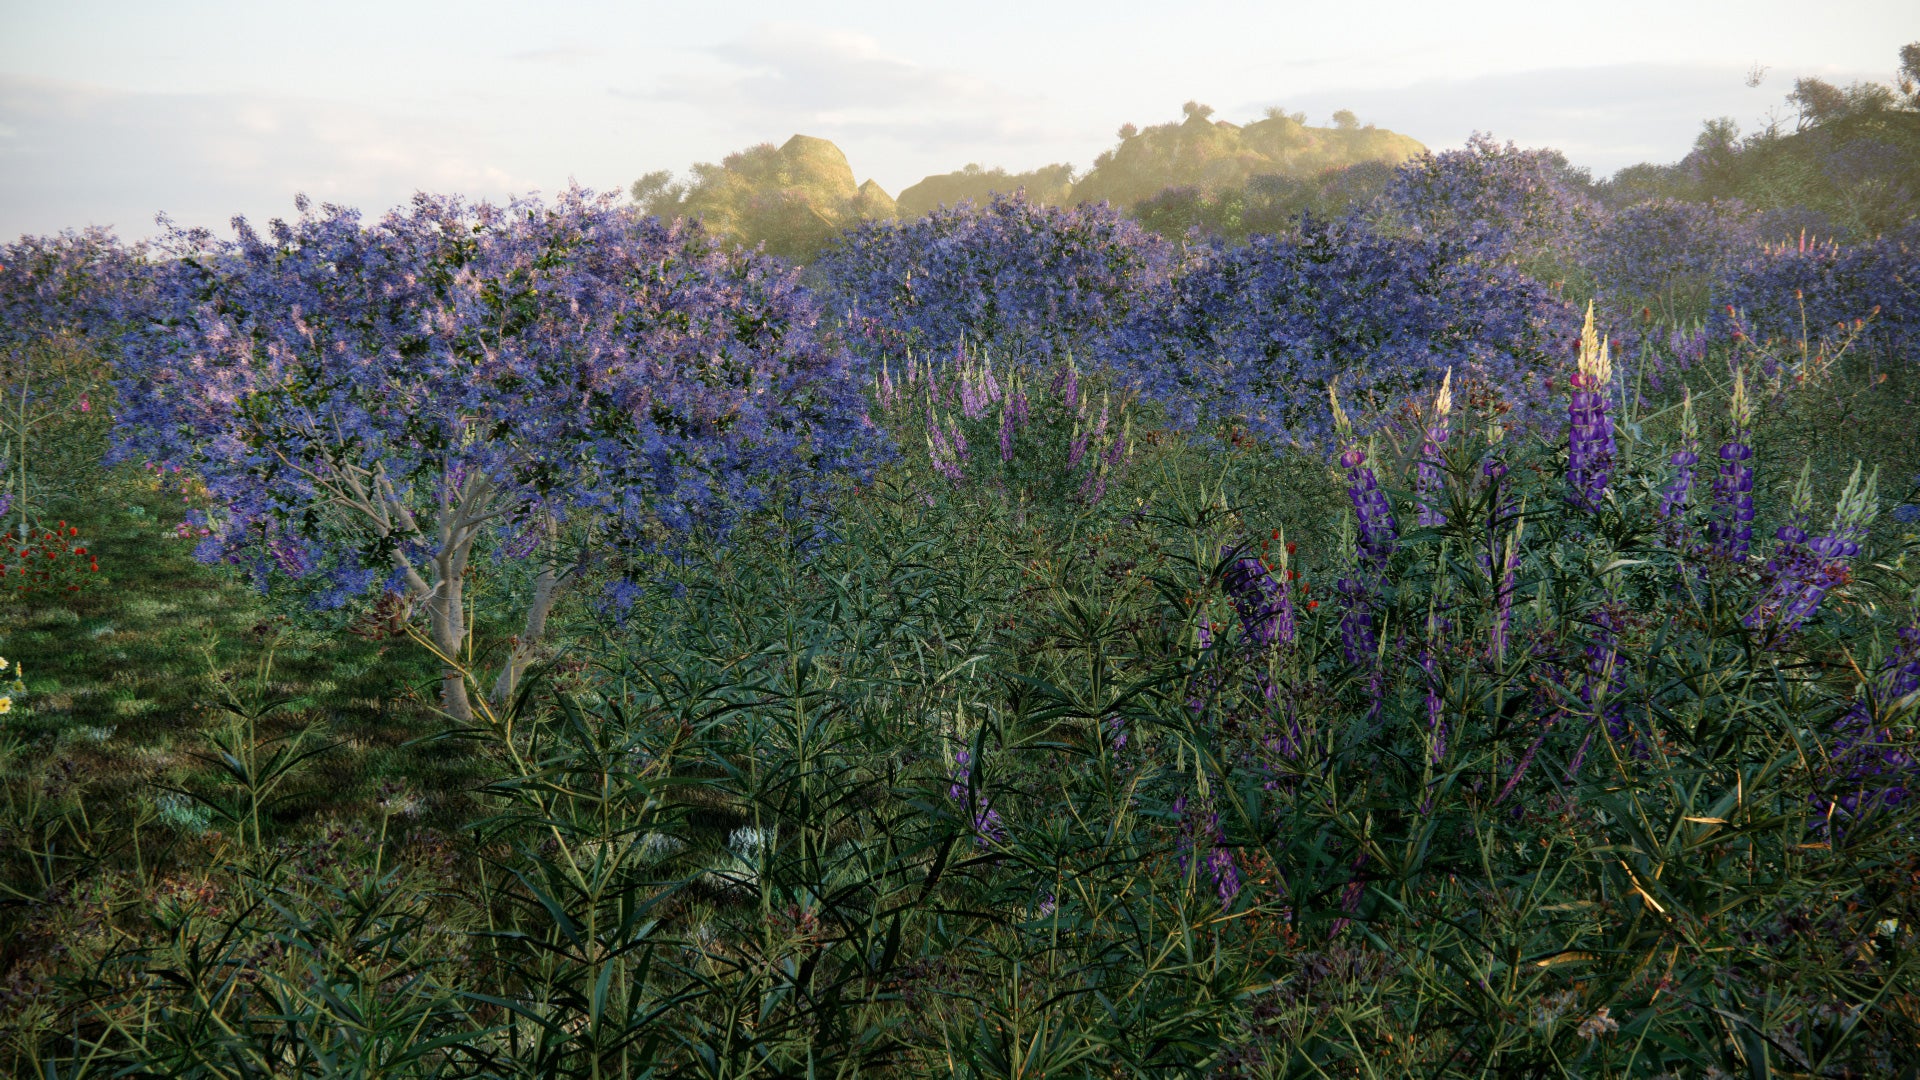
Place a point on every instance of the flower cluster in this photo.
(50, 561)
(454, 371)
(1498, 199)
(1013, 276)
(986, 823)
(1665, 254)
(1590, 445)
(14, 688)
(1026, 432)
(1263, 603)
(1730, 525)
(1241, 337)
(1791, 293)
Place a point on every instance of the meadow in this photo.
(1476, 635)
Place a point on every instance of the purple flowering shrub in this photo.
(1022, 280)
(1798, 293)
(1665, 255)
(371, 402)
(60, 298)
(1500, 201)
(1253, 334)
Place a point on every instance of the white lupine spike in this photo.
(1340, 422)
(1595, 360)
(1443, 401)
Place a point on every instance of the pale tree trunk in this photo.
(546, 588)
(447, 618)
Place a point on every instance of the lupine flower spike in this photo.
(1834, 552)
(1793, 562)
(1730, 532)
(1428, 482)
(1590, 446)
(1374, 545)
(1263, 604)
(1679, 494)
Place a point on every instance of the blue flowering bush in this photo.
(1497, 199)
(1017, 278)
(367, 403)
(1252, 335)
(1799, 289)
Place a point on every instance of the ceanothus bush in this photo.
(368, 401)
(59, 296)
(1805, 287)
(1013, 277)
(1255, 334)
(1498, 200)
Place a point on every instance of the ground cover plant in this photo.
(541, 641)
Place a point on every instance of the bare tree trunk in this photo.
(447, 613)
(546, 588)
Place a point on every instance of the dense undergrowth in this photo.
(1002, 786)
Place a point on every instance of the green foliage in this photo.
(792, 198)
(1228, 179)
(1216, 157)
(1049, 185)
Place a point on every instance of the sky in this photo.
(114, 111)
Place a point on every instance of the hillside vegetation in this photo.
(795, 197)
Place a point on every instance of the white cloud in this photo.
(845, 85)
(82, 154)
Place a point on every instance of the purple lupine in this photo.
(986, 820)
(1428, 481)
(1350, 896)
(946, 452)
(1219, 860)
(1590, 446)
(1006, 430)
(1872, 773)
(1379, 537)
(1263, 604)
(1374, 544)
(1730, 526)
(1793, 562)
(1834, 551)
(1678, 495)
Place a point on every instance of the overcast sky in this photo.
(113, 111)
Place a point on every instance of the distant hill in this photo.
(794, 198)
(1050, 185)
(1214, 156)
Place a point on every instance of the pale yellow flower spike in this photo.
(1340, 421)
(1595, 363)
(1443, 402)
(1741, 408)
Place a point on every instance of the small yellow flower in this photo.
(19, 686)
(6, 705)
